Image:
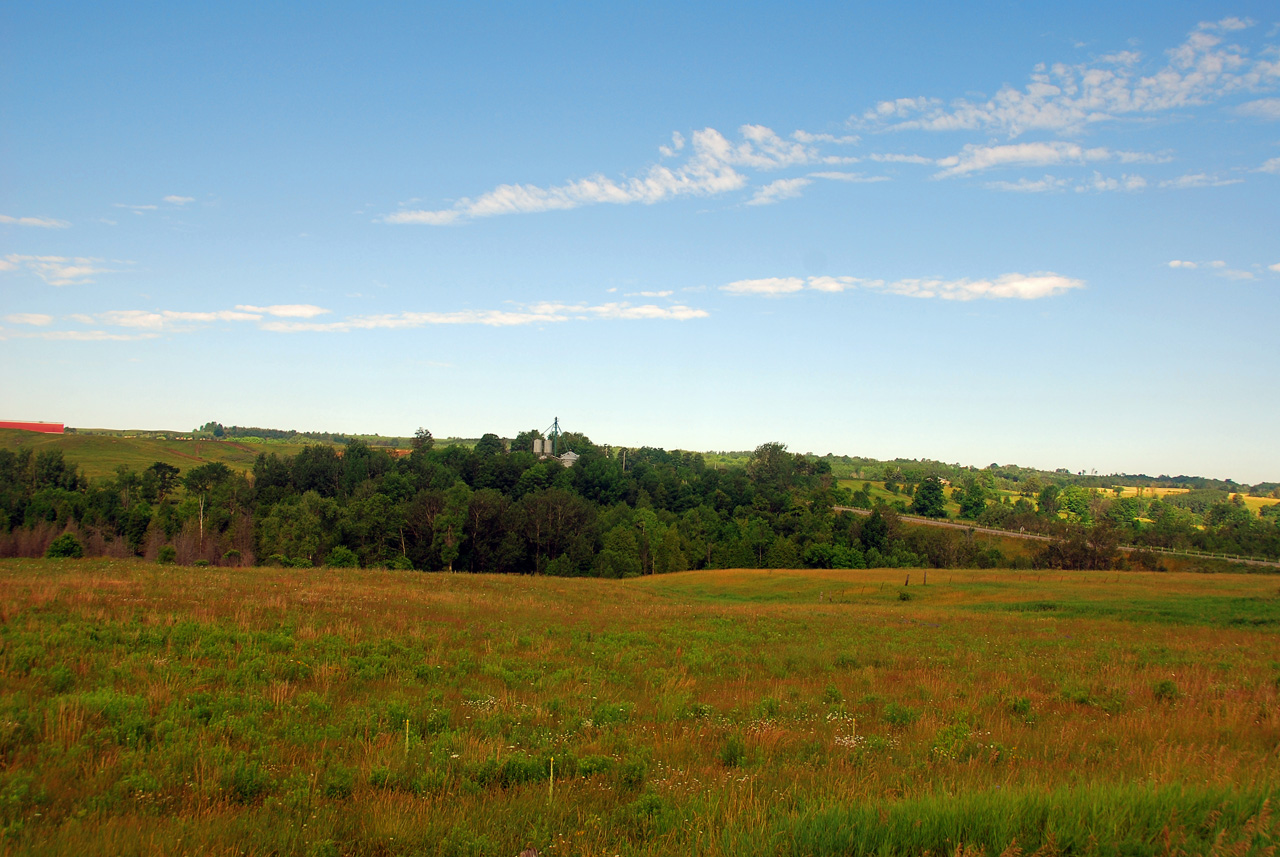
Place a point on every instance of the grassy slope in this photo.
(158, 710)
(100, 455)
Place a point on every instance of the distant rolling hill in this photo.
(100, 454)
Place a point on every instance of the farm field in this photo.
(149, 709)
(99, 454)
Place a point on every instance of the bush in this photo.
(65, 546)
(1165, 690)
(342, 557)
(246, 781)
(167, 555)
(900, 715)
(734, 752)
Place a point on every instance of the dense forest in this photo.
(494, 506)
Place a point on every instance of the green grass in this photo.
(100, 454)
(150, 709)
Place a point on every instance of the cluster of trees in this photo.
(1208, 519)
(487, 508)
(616, 513)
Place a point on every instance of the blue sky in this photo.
(979, 233)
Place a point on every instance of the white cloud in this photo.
(174, 199)
(136, 209)
(1197, 180)
(1275, 267)
(297, 318)
(1009, 286)
(32, 318)
(1019, 286)
(1218, 264)
(1234, 274)
(665, 294)
(1263, 108)
(1271, 166)
(1066, 97)
(769, 286)
(162, 319)
(1101, 183)
(1182, 263)
(780, 189)
(710, 169)
(849, 177)
(285, 310)
(975, 158)
(901, 159)
(1047, 184)
(57, 270)
(542, 313)
(806, 137)
(93, 336)
(44, 222)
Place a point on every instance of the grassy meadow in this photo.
(161, 710)
(100, 454)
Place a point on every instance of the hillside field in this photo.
(162, 710)
(100, 454)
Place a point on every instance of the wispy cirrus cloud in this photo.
(840, 176)
(174, 199)
(1197, 180)
(1270, 166)
(303, 318)
(1008, 286)
(32, 318)
(1047, 184)
(57, 270)
(284, 310)
(1066, 97)
(977, 158)
(780, 189)
(1263, 108)
(712, 167)
(1220, 268)
(42, 222)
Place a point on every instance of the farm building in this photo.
(46, 428)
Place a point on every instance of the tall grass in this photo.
(150, 709)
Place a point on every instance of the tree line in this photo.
(496, 507)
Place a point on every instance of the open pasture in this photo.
(101, 454)
(161, 710)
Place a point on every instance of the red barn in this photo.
(47, 428)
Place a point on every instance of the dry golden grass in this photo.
(263, 710)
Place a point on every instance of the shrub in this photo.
(168, 555)
(201, 563)
(231, 557)
(1165, 690)
(342, 557)
(900, 715)
(65, 546)
(339, 783)
(733, 752)
(246, 781)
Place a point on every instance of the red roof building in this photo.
(46, 428)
